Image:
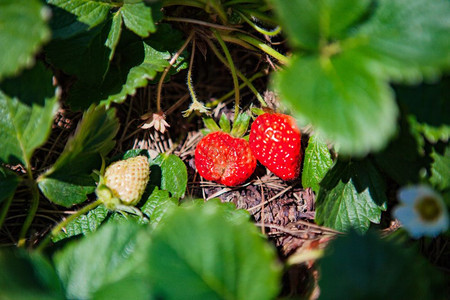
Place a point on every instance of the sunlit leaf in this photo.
(351, 195)
(172, 173)
(316, 163)
(84, 224)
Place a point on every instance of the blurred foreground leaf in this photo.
(27, 276)
(351, 195)
(440, 169)
(8, 183)
(188, 260)
(368, 267)
(342, 99)
(23, 30)
(69, 180)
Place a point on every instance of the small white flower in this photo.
(421, 211)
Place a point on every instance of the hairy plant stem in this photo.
(262, 46)
(33, 207)
(241, 76)
(233, 73)
(166, 70)
(189, 75)
(66, 221)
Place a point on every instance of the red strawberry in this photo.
(275, 142)
(225, 159)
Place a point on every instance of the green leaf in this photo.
(224, 123)
(240, 125)
(69, 180)
(316, 163)
(157, 204)
(114, 34)
(385, 270)
(404, 158)
(189, 261)
(83, 55)
(111, 254)
(27, 106)
(440, 169)
(8, 183)
(406, 39)
(84, 224)
(27, 276)
(308, 22)
(351, 195)
(23, 30)
(90, 12)
(130, 287)
(138, 18)
(172, 174)
(342, 100)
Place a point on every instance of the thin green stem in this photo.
(66, 221)
(233, 73)
(218, 8)
(33, 209)
(5, 209)
(261, 30)
(166, 70)
(241, 86)
(263, 46)
(241, 76)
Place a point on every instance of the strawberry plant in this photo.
(110, 187)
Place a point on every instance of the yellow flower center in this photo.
(428, 209)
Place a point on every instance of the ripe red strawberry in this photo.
(275, 142)
(225, 159)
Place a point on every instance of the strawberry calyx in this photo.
(238, 130)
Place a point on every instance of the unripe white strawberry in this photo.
(126, 180)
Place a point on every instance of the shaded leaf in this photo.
(8, 183)
(173, 174)
(308, 22)
(69, 180)
(23, 30)
(351, 195)
(404, 157)
(27, 106)
(316, 163)
(27, 276)
(386, 270)
(189, 261)
(114, 34)
(406, 39)
(84, 224)
(342, 100)
(440, 169)
(105, 257)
